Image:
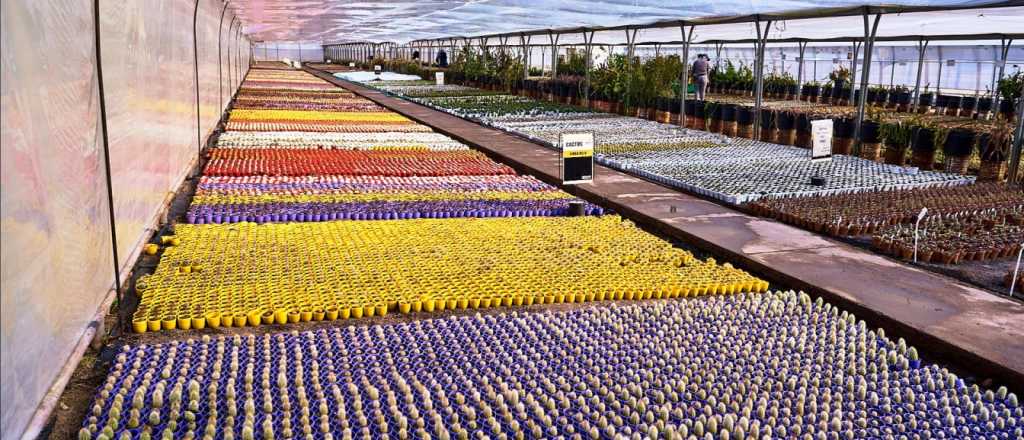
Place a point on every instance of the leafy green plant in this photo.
(839, 75)
(1011, 86)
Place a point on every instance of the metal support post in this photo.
(684, 79)
(1004, 51)
(853, 69)
(762, 42)
(802, 49)
(869, 44)
(553, 39)
(588, 38)
(922, 46)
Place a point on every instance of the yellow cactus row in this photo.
(305, 115)
(248, 274)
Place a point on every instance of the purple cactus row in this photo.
(749, 366)
(385, 210)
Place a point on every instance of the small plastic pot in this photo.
(959, 143)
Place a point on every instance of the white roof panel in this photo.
(331, 21)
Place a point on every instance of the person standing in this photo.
(700, 75)
(441, 59)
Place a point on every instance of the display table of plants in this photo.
(727, 169)
(963, 223)
(771, 365)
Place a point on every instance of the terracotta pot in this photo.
(745, 131)
(992, 171)
(715, 126)
(803, 139)
(924, 160)
(895, 156)
(957, 165)
(786, 137)
(729, 128)
(842, 146)
(769, 135)
(871, 151)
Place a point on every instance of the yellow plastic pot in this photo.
(281, 316)
(332, 313)
(213, 319)
(294, 316)
(305, 315)
(318, 314)
(169, 324)
(139, 325)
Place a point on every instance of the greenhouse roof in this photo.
(331, 21)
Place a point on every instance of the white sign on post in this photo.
(439, 78)
(376, 69)
(577, 157)
(351, 64)
(821, 136)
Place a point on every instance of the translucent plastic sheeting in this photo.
(56, 258)
(339, 21)
(56, 255)
(311, 51)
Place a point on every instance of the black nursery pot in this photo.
(869, 132)
(786, 120)
(942, 101)
(744, 115)
(728, 112)
(881, 97)
(959, 143)
(952, 101)
(984, 105)
(968, 102)
(924, 140)
(674, 104)
(926, 99)
(698, 109)
(842, 128)
(903, 98)
(872, 95)
(690, 108)
(792, 89)
(767, 118)
(716, 112)
(803, 123)
(1006, 106)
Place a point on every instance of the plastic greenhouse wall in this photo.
(57, 263)
(281, 50)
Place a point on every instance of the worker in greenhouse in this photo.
(441, 59)
(700, 75)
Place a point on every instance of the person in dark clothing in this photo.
(700, 75)
(441, 59)
(416, 55)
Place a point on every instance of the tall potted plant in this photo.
(1010, 89)
(897, 136)
(994, 147)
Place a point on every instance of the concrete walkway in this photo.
(969, 328)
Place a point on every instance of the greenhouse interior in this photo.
(512, 220)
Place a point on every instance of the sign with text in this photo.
(376, 69)
(821, 137)
(439, 78)
(351, 64)
(577, 165)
